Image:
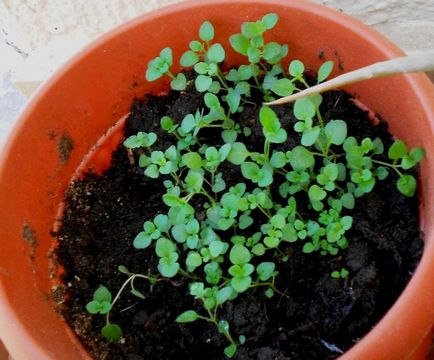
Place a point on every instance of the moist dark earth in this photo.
(318, 318)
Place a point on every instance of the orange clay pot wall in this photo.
(74, 109)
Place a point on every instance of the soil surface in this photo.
(319, 318)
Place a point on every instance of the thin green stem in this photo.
(210, 198)
(318, 154)
(267, 149)
(301, 79)
(221, 78)
(269, 284)
(266, 213)
(188, 275)
(124, 285)
(169, 74)
(175, 177)
(339, 188)
(213, 126)
(259, 85)
(394, 167)
(320, 119)
(228, 336)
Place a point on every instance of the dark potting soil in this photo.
(319, 318)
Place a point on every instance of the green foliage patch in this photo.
(217, 247)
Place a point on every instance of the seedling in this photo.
(342, 274)
(233, 241)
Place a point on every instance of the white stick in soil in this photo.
(412, 63)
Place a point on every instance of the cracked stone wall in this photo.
(37, 36)
(47, 32)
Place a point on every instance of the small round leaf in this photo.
(112, 332)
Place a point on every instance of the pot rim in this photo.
(419, 83)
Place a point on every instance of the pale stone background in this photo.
(37, 36)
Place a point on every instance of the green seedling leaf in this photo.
(166, 55)
(164, 247)
(406, 185)
(238, 153)
(196, 46)
(172, 200)
(179, 83)
(216, 54)
(304, 109)
(308, 248)
(203, 83)
(417, 154)
(253, 54)
(300, 158)
(194, 181)
(278, 159)
(142, 240)
(192, 160)
(382, 173)
(310, 136)
(93, 307)
(271, 51)
(187, 317)
(283, 87)
(189, 58)
(265, 270)
(269, 293)
(241, 284)
(271, 126)
(258, 249)
(197, 289)
(142, 139)
(239, 255)
(219, 184)
(348, 201)
(239, 43)
(344, 273)
(233, 98)
(112, 332)
(230, 350)
(245, 221)
(397, 150)
(243, 88)
(278, 221)
(167, 268)
(324, 71)
(229, 136)
(206, 31)
(211, 101)
(138, 294)
(336, 274)
(167, 124)
(124, 270)
(102, 294)
(336, 131)
(224, 294)
(270, 20)
(152, 73)
(202, 68)
(296, 68)
(217, 248)
(193, 260)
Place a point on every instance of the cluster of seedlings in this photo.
(233, 242)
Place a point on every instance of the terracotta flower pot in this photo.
(71, 112)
